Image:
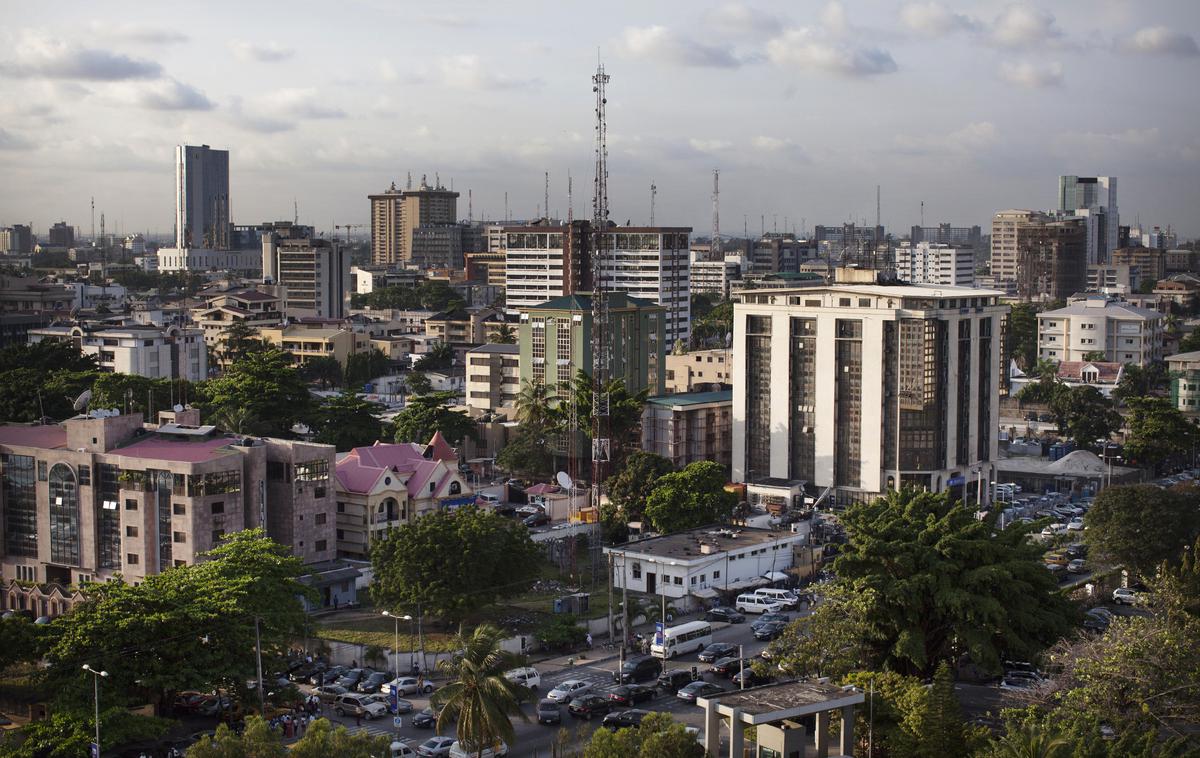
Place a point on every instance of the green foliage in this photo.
(111, 391)
(324, 740)
(346, 421)
(1191, 342)
(504, 335)
(560, 631)
(835, 640)
(939, 583)
(267, 387)
(439, 358)
(690, 498)
(418, 383)
(47, 375)
(1022, 335)
(1137, 381)
(366, 366)
(452, 563)
(165, 281)
(628, 491)
(434, 295)
(257, 741)
(323, 369)
(1095, 356)
(479, 702)
(1159, 435)
(1085, 415)
(67, 733)
(624, 412)
(892, 698)
(657, 737)
(530, 452)
(20, 641)
(186, 628)
(239, 340)
(1140, 526)
(426, 414)
(936, 727)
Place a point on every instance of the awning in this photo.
(747, 584)
(775, 576)
(706, 592)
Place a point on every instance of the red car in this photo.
(631, 694)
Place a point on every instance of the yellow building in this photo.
(307, 341)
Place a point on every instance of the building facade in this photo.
(493, 376)
(1185, 381)
(1115, 279)
(395, 214)
(855, 388)
(699, 370)
(1094, 199)
(201, 198)
(653, 264)
(715, 277)
(314, 274)
(1098, 324)
(145, 350)
(1150, 263)
(305, 341)
(936, 264)
(690, 427)
(543, 262)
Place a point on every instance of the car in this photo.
(407, 685)
(358, 705)
(631, 694)
(716, 650)
(567, 691)
(1056, 558)
(526, 676)
(402, 706)
(1102, 613)
(1021, 680)
(188, 702)
(767, 618)
(1057, 569)
(458, 751)
(624, 719)
(727, 667)
(306, 672)
(1045, 418)
(536, 519)
(373, 682)
(327, 693)
(1077, 566)
(1031, 416)
(426, 718)
(328, 676)
(1126, 596)
(435, 747)
(548, 711)
(698, 690)
(673, 680)
(727, 615)
(786, 598)
(639, 668)
(213, 705)
(1075, 525)
(589, 705)
(769, 631)
(751, 679)
(1095, 623)
(351, 678)
(1076, 550)
(401, 749)
(752, 603)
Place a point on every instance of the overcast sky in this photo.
(804, 106)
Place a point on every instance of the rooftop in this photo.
(692, 398)
(786, 700)
(900, 289)
(686, 545)
(583, 302)
(1093, 305)
(497, 348)
(1079, 463)
(47, 437)
(1185, 357)
(181, 450)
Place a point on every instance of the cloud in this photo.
(809, 48)
(10, 141)
(934, 19)
(1031, 75)
(660, 43)
(709, 145)
(269, 52)
(449, 20)
(742, 19)
(388, 72)
(38, 56)
(469, 72)
(776, 147)
(142, 35)
(1161, 40)
(165, 95)
(1108, 140)
(300, 103)
(1022, 26)
(972, 138)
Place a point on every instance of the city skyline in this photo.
(969, 107)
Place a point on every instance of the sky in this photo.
(804, 107)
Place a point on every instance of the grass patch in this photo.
(368, 630)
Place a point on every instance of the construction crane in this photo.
(348, 227)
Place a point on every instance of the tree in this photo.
(658, 736)
(1137, 381)
(560, 631)
(347, 421)
(324, 740)
(364, 367)
(418, 383)
(1140, 526)
(1191, 342)
(833, 641)
(935, 727)
(67, 733)
(690, 498)
(1022, 335)
(234, 419)
(267, 386)
(480, 701)
(43, 379)
(20, 641)
(257, 741)
(1085, 415)
(531, 451)
(938, 583)
(1030, 742)
(324, 369)
(1046, 388)
(452, 563)
(1095, 356)
(624, 412)
(239, 340)
(440, 356)
(628, 491)
(1159, 435)
(426, 414)
(504, 335)
(115, 390)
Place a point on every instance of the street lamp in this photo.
(396, 639)
(96, 696)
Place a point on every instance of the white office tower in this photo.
(849, 388)
(935, 264)
(1093, 198)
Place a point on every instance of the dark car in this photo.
(770, 631)
(305, 673)
(351, 678)
(752, 679)
(727, 667)
(537, 519)
(589, 705)
(1045, 418)
(724, 614)
(425, 719)
(717, 650)
(548, 711)
(631, 694)
(638, 669)
(1077, 550)
(624, 719)
(767, 618)
(673, 680)
(188, 702)
(328, 676)
(698, 689)
(373, 682)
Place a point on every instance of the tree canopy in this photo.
(658, 736)
(629, 490)
(424, 415)
(1140, 526)
(347, 421)
(479, 700)
(267, 386)
(689, 498)
(418, 383)
(1159, 435)
(321, 739)
(1022, 335)
(1137, 381)
(624, 412)
(1085, 415)
(322, 369)
(113, 390)
(433, 294)
(366, 366)
(530, 452)
(451, 563)
(43, 378)
(439, 357)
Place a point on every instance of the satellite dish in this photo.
(177, 408)
(564, 480)
(82, 401)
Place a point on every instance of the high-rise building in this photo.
(16, 240)
(944, 233)
(61, 234)
(854, 388)
(1045, 257)
(935, 264)
(201, 198)
(652, 263)
(1093, 198)
(314, 273)
(542, 262)
(395, 214)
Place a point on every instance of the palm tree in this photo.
(1030, 742)
(532, 403)
(479, 698)
(236, 419)
(504, 335)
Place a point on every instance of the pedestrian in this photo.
(589, 640)
(358, 718)
(354, 663)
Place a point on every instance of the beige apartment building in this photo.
(493, 376)
(1096, 324)
(690, 427)
(1150, 262)
(699, 370)
(395, 214)
(308, 341)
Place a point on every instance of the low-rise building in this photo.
(699, 370)
(1112, 279)
(1151, 263)
(1185, 381)
(1181, 290)
(307, 341)
(493, 376)
(253, 307)
(203, 259)
(464, 326)
(690, 427)
(1097, 324)
(141, 349)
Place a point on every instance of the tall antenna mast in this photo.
(570, 201)
(601, 444)
(470, 208)
(653, 194)
(546, 206)
(922, 214)
(506, 216)
(93, 220)
(295, 211)
(715, 244)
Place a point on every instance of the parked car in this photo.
(639, 668)
(458, 751)
(351, 678)
(720, 613)
(589, 706)
(401, 749)
(767, 618)
(328, 676)
(624, 719)
(435, 747)
(1020, 680)
(569, 690)
(526, 676)
(305, 673)
(631, 694)
(1076, 550)
(353, 704)
(187, 702)
(727, 667)
(769, 631)
(407, 685)
(548, 711)
(716, 650)
(786, 598)
(536, 519)
(1077, 566)
(1095, 623)
(752, 679)
(751, 603)
(1126, 596)
(675, 679)
(1075, 524)
(373, 682)
(698, 690)
(327, 693)
(1045, 418)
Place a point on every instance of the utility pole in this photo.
(653, 194)
(611, 576)
(262, 696)
(715, 246)
(546, 205)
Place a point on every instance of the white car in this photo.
(1126, 596)
(569, 690)
(458, 751)
(526, 676)
(402, 750)
(406, 685)
(1075, 525)
(435, 747)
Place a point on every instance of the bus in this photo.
(685, 638)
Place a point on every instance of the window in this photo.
(455, 488)
(341, 507)
(217, 534)
(716, 575)
(179, 509)
(41, 469)
(312, 471)
(341, 534)
(215, 483)
(130, 504)
(131, 531)
(85, 475)
(131, 559)
(320, 546)
(179, 563)
(637, 570)
(178, 537)
(844, 302)
(679, 579)
(320, 518)
(218, 507)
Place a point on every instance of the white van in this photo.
(526, 676)
(751, 603)
(780, 596)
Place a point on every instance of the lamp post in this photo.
(396, 639)
(412, 652)
(96, 697)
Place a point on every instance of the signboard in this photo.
(93, 750)
(393, 701)
(398, 721)
(658, 633)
